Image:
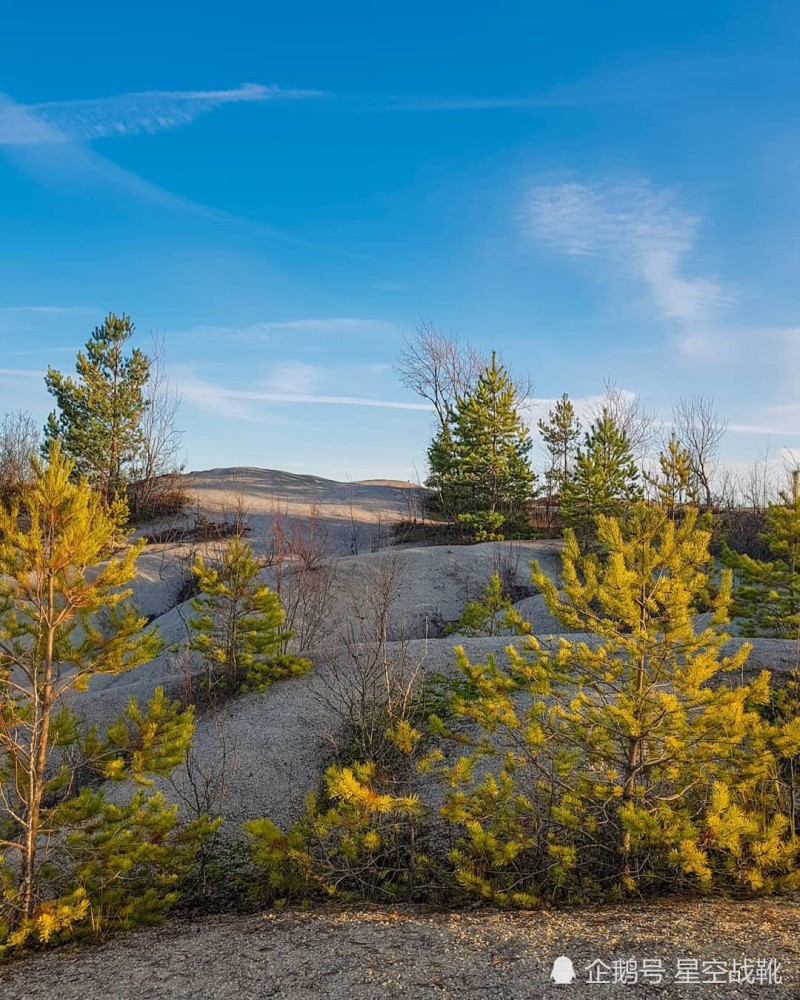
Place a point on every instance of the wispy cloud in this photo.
(430, 103)
(126, 114)
(586, 407)
(61, 155)
(641, 232)
(245, 404)
(153, 111)
(20, 373)
(48, 310)
(758, 429)
(293, 378)
(271, 330)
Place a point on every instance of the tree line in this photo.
(479, 460)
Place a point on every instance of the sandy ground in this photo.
(396, 953)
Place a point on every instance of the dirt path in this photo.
(397, 953)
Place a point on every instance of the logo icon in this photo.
(563, 971)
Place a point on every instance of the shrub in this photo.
(237, 627)
(629, 766)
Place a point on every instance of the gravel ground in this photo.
(399, 953)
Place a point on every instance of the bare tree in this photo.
(700, 431)
(19, 442)
(629, 416)
(760, 486)
(302, 559)
(366, 683)
(438, 367)
(158, 465)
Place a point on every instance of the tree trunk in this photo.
(38, 761)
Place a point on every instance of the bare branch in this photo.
(438, 367)
(700, 431)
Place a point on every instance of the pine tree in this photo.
(625, 765)
(675, 487)
(238, 624)
(493, 614)
(560, 433)
(99, 414)
(604, 479)
(64, 618)
(768, 592)
(441, 466)
(490, 479)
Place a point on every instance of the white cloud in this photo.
(125, 114)
(13, 374)
(430, 103)
(293, 377)
(269, 330)
(48, 311)
(586, 408)
(212, 398)
(58, 156)
(641, 232)
(762, 430)
(244, 403)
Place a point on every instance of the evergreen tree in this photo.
(238, 624)
(675, 487)
(64, 618)
(493, 614)
(604, 480)
(625, 766)
(490, 479)
(768, 592)
(560, 433)
(441, 466)
(99, 415)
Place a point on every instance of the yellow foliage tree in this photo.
(630, 762)
(64, 618)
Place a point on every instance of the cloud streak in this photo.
(48, 310)
(60, 157)
(147, 112)
(470, 103)
(763, 431)
(20, 373)
(639, 231)
(271, 330)
(152, 111)
(243, 403)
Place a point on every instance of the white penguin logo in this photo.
(563, 971)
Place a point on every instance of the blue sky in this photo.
(596, 190)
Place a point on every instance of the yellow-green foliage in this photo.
(639, 762)
(356, 841)
(237, 627)
(72, 861)
(490, 615)
(674, 487)
(768, 592)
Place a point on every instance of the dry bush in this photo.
(302, 556)
(199, 788)
(506, 558)
(19, 442)
(160, 497)
(366, 686)
(741, 529)
(155, 489)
